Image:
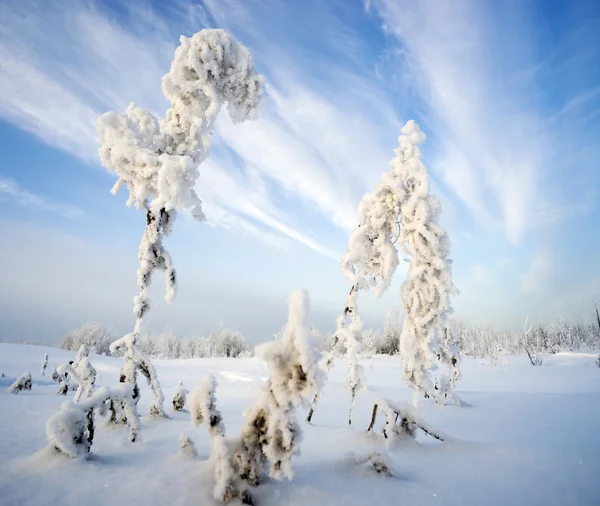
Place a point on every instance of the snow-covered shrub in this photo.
(84, 378)
(426, 293)
(187, 448)
(180, 397)
(203, 409)
(136, 360)
(22, 383)
(401, 421)
(271, 434)
(82, 353)
(159, 161)
(95, 337)
(70, 430)
(44, 364)
(87, 378)
(61, 376)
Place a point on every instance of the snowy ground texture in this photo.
(524, 436)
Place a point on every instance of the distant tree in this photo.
(158, 161)
(95, 337)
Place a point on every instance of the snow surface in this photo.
(524, 436)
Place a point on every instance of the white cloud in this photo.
(320, 149)
(538, 274)
(496, 146)
(10, 189)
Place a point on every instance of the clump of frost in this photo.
(44, 364)
(23, 382)
(180, 397)
(426, 293)
(70, 431)
(187, 448)
(158, 161)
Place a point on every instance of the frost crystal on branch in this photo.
(158, 161)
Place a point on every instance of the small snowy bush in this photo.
(180, 397)
(22, 383)
(136, 360)
(271, 434)
(70, 431)
(187, 448)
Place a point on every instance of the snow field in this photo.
(524, 436)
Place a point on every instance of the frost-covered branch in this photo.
(44, 364)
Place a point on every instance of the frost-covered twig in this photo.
(44, 364)
(401, 419)
(22, 383)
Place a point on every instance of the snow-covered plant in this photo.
(61, 376)
(401, 421)
(158, 161)
(426, 293)
(271, 434)
(44, 364)
(22, 383)
(136, 360)
(86, 375)
(187, 448)
(70, 430)
(203, 409)
(180, 397)
(377, 462)
(82, 353)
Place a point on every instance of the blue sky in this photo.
(508, 94)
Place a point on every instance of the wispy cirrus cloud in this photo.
(11, 190)
(476, 68)
(318, 142)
